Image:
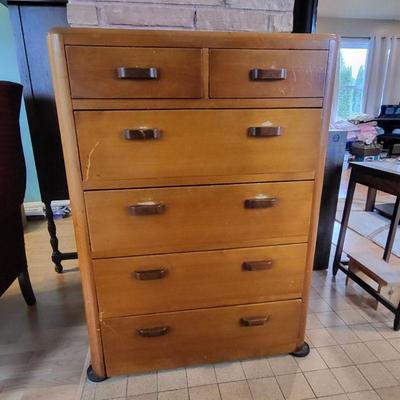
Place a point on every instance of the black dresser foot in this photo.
(91, 375)
(302, 351)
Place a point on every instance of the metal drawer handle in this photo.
(261, 202)
(142, 134)
(257, 265)
(264, 131)
(254, 321)
(271, 74)
(150, 274)
(137, 73)
(149, 208)
(154, 332)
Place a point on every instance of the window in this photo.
(353, 59)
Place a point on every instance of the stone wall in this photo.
(211, 15)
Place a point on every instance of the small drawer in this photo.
(125, 148)
(267, 73)
(123, 72)
(171, 282)
(170, 340)
(178, 219)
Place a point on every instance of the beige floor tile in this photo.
(295, 387)
(202, 375)
(334, 356)
(335, 397)
(179, 394)
(368, 395)
(208, 392)
(383, 350)
(338, 302)
(323, 383)
(372, 315)
(148, 396)
(318, 305)
(320, 337)
(394, 367)
(395, 343)
(386, 330)
(259, 368)
(366, 332)
(141, 384)
(351, 317)
(235, 391)
(351, 379)
(111, 388)
(312, 362)
(377, 375)
(229, 372)
(313, 322)
(12, 395)
(171, 379)
(61, 392)
(389, 393)
(329, 319)
(265, 389)
(343, 334)
(283, 365)
(359, 353)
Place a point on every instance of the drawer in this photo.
(170, 340)
(195, 145)
(267, 73)
(143, 72)
(164, 220)
(150, 284)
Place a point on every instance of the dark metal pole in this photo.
(305, 16)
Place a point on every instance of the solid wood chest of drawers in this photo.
(194, 165)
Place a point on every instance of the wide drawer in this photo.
(127, 72)
(165, 220)
(115, 149)
(267, 73)
(169, 340)
(172, 282)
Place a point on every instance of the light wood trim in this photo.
(205, 72)
(157, 104)
(70, 150)
(319, 179)
(165, 38)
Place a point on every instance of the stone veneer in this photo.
(210, 15)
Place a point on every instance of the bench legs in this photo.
(396, 326)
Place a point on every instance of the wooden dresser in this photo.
(194, 165)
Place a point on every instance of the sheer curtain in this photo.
(383, 74)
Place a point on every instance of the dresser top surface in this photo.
(249, 40)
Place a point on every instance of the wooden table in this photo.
(376, 175)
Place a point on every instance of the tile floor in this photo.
(355, 355)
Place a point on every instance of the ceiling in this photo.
(366, 9)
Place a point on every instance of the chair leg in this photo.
(26, 288)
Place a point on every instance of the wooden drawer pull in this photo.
(150, 274)
(137, 73)
(154, 332)
(253, 321)
(264, 131)
(261, 202)
(142, 134)
(147, 208)
(257, 265)
(271, 74)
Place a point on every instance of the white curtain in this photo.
(383, 74)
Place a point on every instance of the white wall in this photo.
(356, 27)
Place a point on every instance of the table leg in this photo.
(394, 223)
(371, 198)
(344, 223)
